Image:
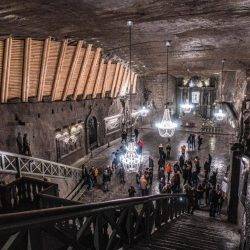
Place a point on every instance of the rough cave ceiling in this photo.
(203, 32)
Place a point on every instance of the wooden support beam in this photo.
(43, 70)
(82, 71)
(59, 68)
(114, 82)
(26, 68)
(131, 84)
(105, 83)
(89, 86)
(98, 86)
(134, 84)
(72, 69)
(6, 70)
(119, 81)
(121, 89)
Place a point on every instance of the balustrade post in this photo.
(18, 167)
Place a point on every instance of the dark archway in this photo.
(92, 138)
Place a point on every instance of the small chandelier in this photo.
(144, 111)
(166, 127)
(131, 160)
(220, 115)
(187, 107)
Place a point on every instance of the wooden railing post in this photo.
(18, 167)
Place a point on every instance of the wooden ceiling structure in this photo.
(59, 71)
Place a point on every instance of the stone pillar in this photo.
(234, 182)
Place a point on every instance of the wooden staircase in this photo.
(193, 232)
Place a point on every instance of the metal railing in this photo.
(20, 164)
(107, 225)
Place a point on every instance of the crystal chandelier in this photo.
(166, 127)
(220, 115)
(144, 111)
(131, 160)
(187, 107)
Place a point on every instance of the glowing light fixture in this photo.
(131, 160)
(144, 111)
(187, 107)
(220, 115)
(166, 127)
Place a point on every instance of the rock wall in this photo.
(41, 121)
(158, 87)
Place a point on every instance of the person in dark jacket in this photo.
(26, 145)
(213, 202)
(131, 191)
(136, 132)
(200, 139)
(19, 141)
(168, 149)
(206, 169)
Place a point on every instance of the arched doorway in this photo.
(92, 135)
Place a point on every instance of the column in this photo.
(234, 182)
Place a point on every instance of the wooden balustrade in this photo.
(106, 225)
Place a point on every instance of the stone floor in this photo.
(217, 145)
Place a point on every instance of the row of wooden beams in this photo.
(89, 85)
(26, 68)
(6, 70)
(134, 84)
(43, 70)
(59, 68)
(72, 69)
(82, 71)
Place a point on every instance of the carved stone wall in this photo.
(41, 121)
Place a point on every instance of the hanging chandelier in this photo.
(166, 127)
(131, 160)
(187, 107)
(220, 115)
(144, 111)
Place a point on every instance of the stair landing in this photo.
(194, 232)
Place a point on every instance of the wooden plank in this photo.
(98, 82)
(88, 88)
(43, 71)
(59, 68)
(134, 84)
(115, 78)
(72, 69)
(26, 70)
(121, 89)
(82, 71)
(119, 81)
(131, 84)
(6, 70)
(105, 84)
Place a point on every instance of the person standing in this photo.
(124, 136)
(19, 142)
(213, 201)
(143, 185)
(136, 132)
(131, 191)
(168, 170)
(209, 160)
(168, 149)
(206, 169)
(199, 142)
(181, 161)
(150, 162)
(193, 141)
(183, 150)
(26, 145)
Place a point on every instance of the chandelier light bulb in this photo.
(220, 115)
(166, 127)
(187, 107)
(144, 111)
(129, 23)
